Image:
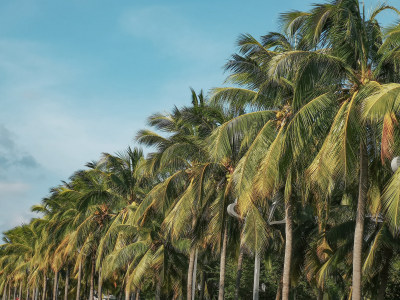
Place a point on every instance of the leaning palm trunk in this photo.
(78, 285)
(99, 286)
(91, 291)
(288, 250)
(44, 286)
(239, 272)
(55, 285)
(256, 287)
(190, 273)
(359, 230)
(222, 264)
(66, 284)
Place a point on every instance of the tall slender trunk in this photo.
(15, 292)
(37, 293)
(288, 250)
(66, 284)
(20, 290)
(55, 290)
(78, 285)
(91, 291)
(190, 273)
(202, 284)
(27, 291)
(99, 285)
(359, 230)
(194, 274)
(44, 286)
(127, 292)
(222, 264)
(256, 286)
(137, 297)
(9, 292)
(239, 272)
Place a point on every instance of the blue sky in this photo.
(79, 77)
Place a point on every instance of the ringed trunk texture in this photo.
(78, 285)
(256, 286)
(239, 272)
(359, 230)
(190, 273)
(222, 264)
(91, 291)
(99, 286)
(55, 286)
(44, 287)
(288, 251)
(66, 284)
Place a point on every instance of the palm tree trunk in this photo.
(44, 286)
(194, 275)
(27, 291)
(256, 287)
(99, 285)
(239, 272)
(66, 284)
(15, 292)
(202, 284)
(9, 291)
(91, 291)
(137, 297)
(127, 291)
(78, 285)
(359, 230)
(20, 290)
(190, 273)
(55, 291)
(288, 250)
(222, 264)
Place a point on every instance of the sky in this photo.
(79, 77)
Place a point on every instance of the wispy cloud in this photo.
(171, 32)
